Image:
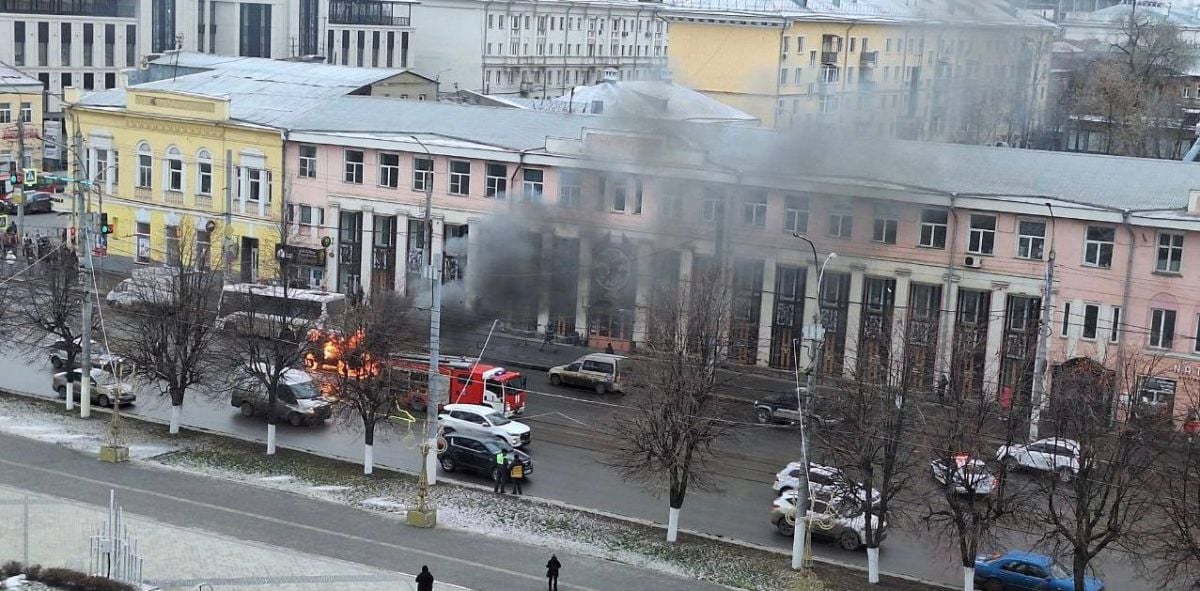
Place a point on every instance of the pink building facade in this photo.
(575, 225)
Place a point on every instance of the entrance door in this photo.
(249, 262)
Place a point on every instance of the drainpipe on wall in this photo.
(1125, 295)
(948, 309)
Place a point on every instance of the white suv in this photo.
(822, 480)
(1053, 454)
(479, 418)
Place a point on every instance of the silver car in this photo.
(105, 387)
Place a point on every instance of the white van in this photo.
(599, 371)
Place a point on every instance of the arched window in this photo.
(174, 170)
(204, 172)
(145, 165)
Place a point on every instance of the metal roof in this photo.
(12, 79)
(653, 99)
(962, 12)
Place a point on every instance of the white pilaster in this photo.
(995, 337)
(471, 279)
(853, 319)
(812, 313)
(766, 313)
(645, 280)
(946, 329)
(899, 330)
(332, 258)
(545, 270)
(401, 264)
(583, 286)
(367, 258)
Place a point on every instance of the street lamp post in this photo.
(816, 333)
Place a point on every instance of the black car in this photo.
(477, 454)
(783, 408)
(35, 202)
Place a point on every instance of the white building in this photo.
(539, 48)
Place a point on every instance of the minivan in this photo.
(600, 371)
(298, 400)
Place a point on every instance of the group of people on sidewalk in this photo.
(509, 470)
(425, 579)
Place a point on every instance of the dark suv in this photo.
(477, 454)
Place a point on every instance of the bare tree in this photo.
(51, 301)
(366, 393)
(166, 333)
(874, 405)
(1104, 500)
(670, 441)
(1176, 539)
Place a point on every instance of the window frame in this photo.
(1174, 253)
(353, 171)
(203, 177)
(422, 178)
(1025, 242)
(1114, 324)
(459, 183)
(1066, 320)
(754, 210)
(890, 219)
(793, 215)
(570, 188)
(173, 172)
(840, 224)
(533, 190)
(1158, 328)
(982, 240)
(389, 173)
(495, 186)
(937, 232)
(145, 166)
(308, 162)
(1091, 314)
(1089, 242)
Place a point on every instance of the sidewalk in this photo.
(53, 532)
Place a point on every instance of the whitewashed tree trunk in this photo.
(798, 543)
(873, 566)
(673, 525)
(270, 439)
(176, 412)
(368, 458)
(968, 578)
(70, 396)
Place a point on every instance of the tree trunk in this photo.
(968, 578)
(368, 448)
(873, 565)
(176, 411)
(70, 396)
(270, 439)
(673, 525)
(1079, 567)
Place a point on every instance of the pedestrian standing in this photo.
(516, 473)
(546, 340)
(552, 573)
(425, 579)
(608, 348)
(500, 472)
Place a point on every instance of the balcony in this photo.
(370, 12)
(92, 8)
(825, 88)
(829, 57)
(868, 59)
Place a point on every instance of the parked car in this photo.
(1053, 454)
(35, 202)
(298, 399)
(483, 419)
(101, 357)
(136, 291)
(601, 372)
(822, 481)
(477, 453)
(830, 518)
(105, 387)
(1026, 571)
(784, 408)
(969, 475)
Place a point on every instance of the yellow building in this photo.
(966, 70)
(21, 108)
(189, 158)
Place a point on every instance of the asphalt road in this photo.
(568, 449)
(311, 526)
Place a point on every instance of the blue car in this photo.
(1026, 571)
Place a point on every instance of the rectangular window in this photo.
(43, 44)
(110, 40)
(258, 185)
(89, 81)
(840, 224)
(570, 188)
(754, 211)
(531, 187)
(1066, 321)
(933, 228)
(205, 171)
(1196, 340)
(389, 170)
(308, 162)
(64, 44)
(312, 216)
(143, 242)
(145, 163)
(5, 112)
(1098, 247)
(422, 174)
(354, 167)
(1114, 326)
(1031, 239)
(27, 112)
(89, 34)
(1170, 253)
(783, 76)
(496, 181)
(1091, 320)
(460, 177)
(19, 43)
(982, 239)
(131, 45)
(174, 174)
(886, 223)
(711, 210)
(1162, 328)
(795, 218)
(620, 195)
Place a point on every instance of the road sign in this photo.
(29, 177)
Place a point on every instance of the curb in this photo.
(529, 498)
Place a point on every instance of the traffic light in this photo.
(105, 227)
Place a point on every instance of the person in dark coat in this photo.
(608, 349)
(425, 579)
(552, 572)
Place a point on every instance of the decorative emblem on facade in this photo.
(612, 269)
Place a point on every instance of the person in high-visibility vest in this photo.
(501, 472)
(516, 473)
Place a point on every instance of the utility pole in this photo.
(425, 514)
(1038, 398)
(82, 230)
(18, 190)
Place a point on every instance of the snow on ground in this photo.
(35, 420)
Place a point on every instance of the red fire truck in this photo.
(471, 382)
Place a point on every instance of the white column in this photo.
(853, 319)
(438, 241)
(899, 331)
(545, 268)
(401, 264)
(766, 313)
(471, 279)
(583, 286)
(331, 260)
(812, 311)
(645, 281)
(995, 337)
(367, 259)
(946, 329)
(685, 284)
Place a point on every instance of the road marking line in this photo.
(277, 521)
